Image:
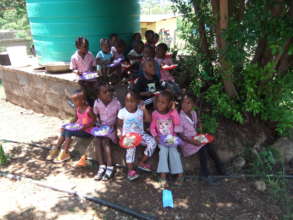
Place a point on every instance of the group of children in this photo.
(150, 119)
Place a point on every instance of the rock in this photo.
(261, 139)
(260, 185)
(225, 155)
(239, 162)
(285, 147)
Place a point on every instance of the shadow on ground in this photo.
(231, 199)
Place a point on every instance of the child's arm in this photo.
(153, 126)
(99, 61)
(93, 116)
(73, 66)
(119, 126)
(146, 114)
(175, 116)
(74, 119)
(146, 94)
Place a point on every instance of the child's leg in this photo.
(204, 171)
(106, 143)
(66, 144)
(130, 157)
(175, 161)
(163, 167)
(151, 144)
(107, 153)
(98, 150)
(55, 150)
(213, 154)
(99, 156)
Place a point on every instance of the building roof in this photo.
(155, 18)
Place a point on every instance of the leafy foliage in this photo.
(13, 16)
(257, 55)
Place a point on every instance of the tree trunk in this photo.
(203, 38)
(227, 76)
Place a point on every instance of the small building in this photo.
(164, 25)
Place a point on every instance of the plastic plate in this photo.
(130, 140)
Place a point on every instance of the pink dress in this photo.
(108, 114)
(165, 74)
(85, 64)
(84, 118)
(188, 129)
(164, 124)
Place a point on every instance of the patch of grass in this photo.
(2, 93)
(3, 157)
(264, 164)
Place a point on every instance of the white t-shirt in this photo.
(132, 122)
(134, 54)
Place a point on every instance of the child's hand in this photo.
(119, 133)
(143, 108)
(173, 105)
(77, 72)
(195, 142)
(157, 138)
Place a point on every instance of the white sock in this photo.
(102, 168)
(109, 170)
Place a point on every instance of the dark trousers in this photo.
(204, 152)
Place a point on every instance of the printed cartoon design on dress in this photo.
(151, 87)
(165, 126)
(134, 125)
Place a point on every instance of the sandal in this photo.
(163, 183)
(100, 173)
(108, 174)
(179, 181)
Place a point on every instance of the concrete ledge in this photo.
(39, 91)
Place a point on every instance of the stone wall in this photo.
(38, 91)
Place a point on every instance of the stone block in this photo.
(23, 79)
(50, 110)
(53, 99)
(9, 76)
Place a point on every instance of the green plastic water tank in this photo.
(55, 24)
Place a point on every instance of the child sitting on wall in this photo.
(83, 61)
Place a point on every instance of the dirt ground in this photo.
(235, 199)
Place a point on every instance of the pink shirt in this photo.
(84, 118)
(107, 113)
(85, 64)
(165, 74)
(164, 124)
(188, 129)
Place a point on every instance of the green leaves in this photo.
(255, 44)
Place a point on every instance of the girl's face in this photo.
(78, 100)
(83, 48)
(113, 40)
(160, 52)
(149, 37)
(120, 49)
(163, 104)
(139, 48)
(105, 95)
(131, 103)
(137, 37)
(106, 48)
(156, 39)
(149, 68)
(187, 104)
